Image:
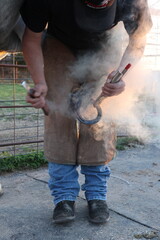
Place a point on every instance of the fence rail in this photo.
(13, 66)
(20, 143)
(21, 126)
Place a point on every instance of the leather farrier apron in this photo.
(61, 142)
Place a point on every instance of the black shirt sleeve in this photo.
(136, 16)
(35, 14)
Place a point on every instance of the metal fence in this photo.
(21, 126)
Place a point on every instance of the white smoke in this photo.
(137, 110)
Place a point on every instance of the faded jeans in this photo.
(64, 183)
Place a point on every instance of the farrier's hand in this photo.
(112, 89)
(38, 99)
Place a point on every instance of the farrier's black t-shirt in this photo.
(59, 15)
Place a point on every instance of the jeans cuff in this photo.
(69, 198)
(96, 198)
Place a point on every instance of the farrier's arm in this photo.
(132, 55)
(133, 52)
(31, 47)
(137, 30)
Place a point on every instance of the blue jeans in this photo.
(64, 183)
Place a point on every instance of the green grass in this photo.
(127, 142)
(11, 92)
(22, 162)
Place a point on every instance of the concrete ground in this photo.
(133, 198)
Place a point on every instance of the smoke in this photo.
(96, 64)
(90, 70)
(136, 111)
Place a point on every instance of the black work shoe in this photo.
(64, 212)
(98, 211)
(1, 190)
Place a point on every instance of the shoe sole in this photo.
(99, 222)
(64, 220)
(1, 193)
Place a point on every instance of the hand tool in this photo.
(76, 101)
(31, 93)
